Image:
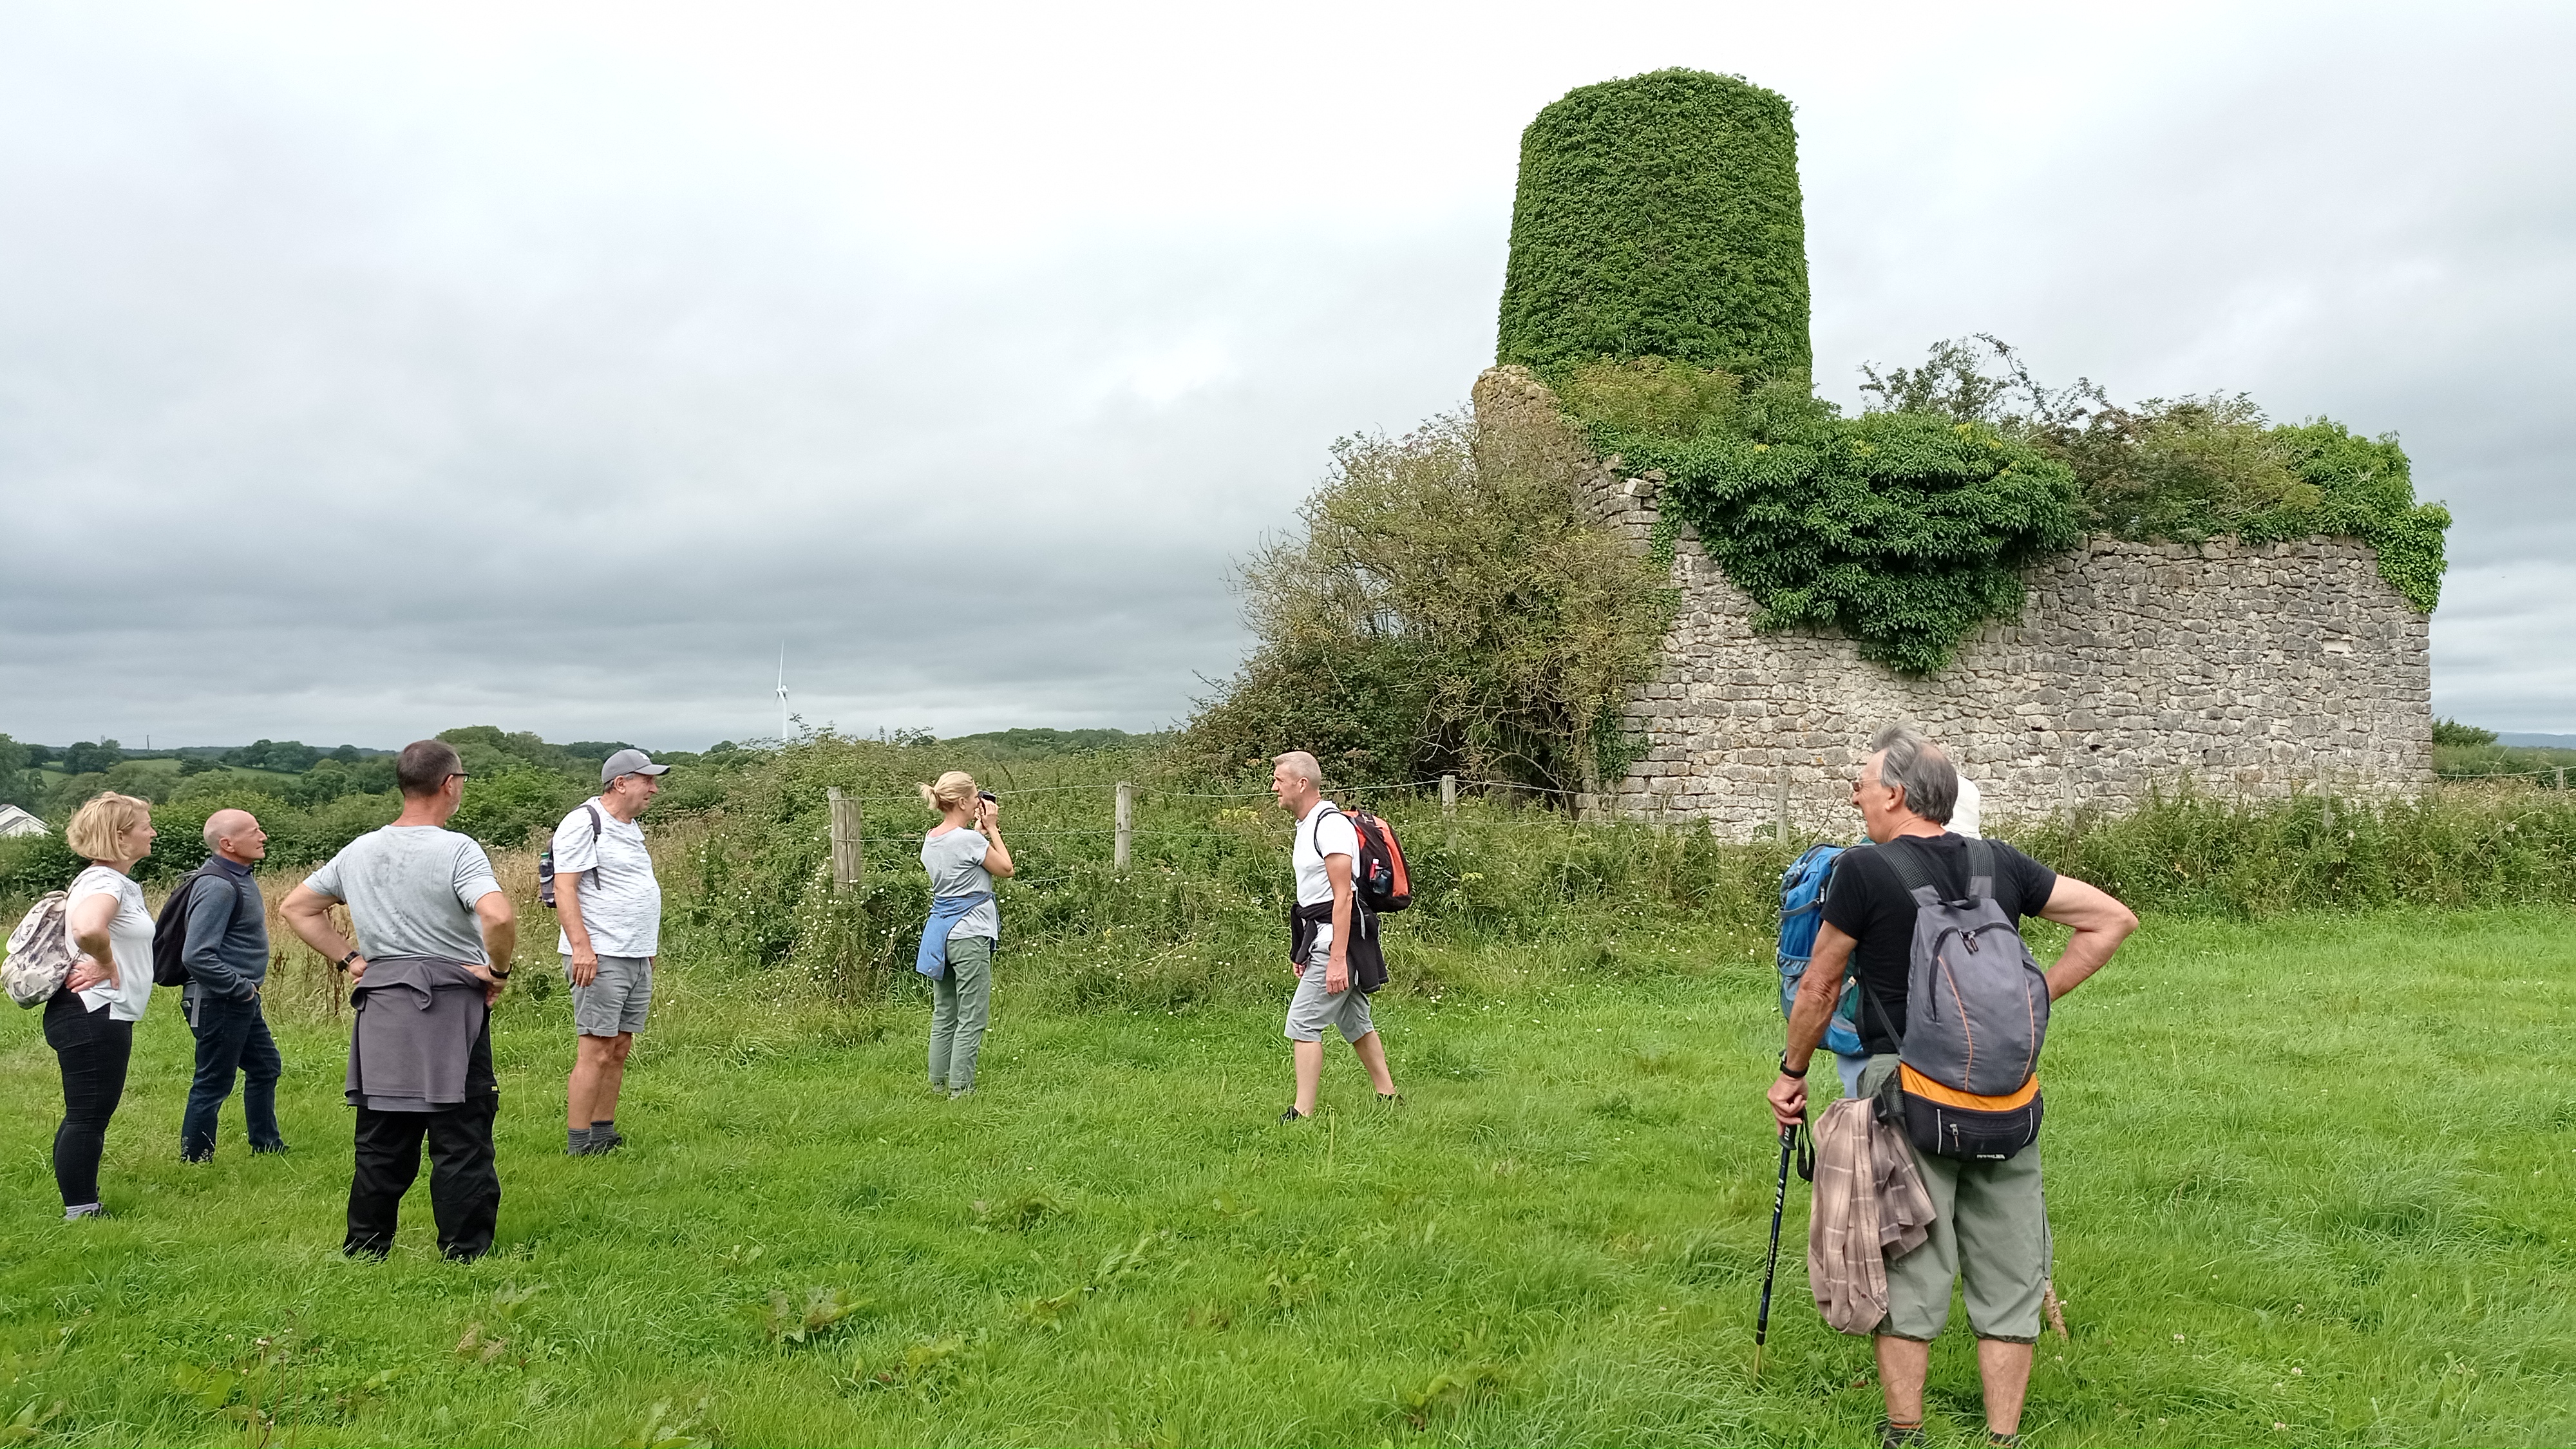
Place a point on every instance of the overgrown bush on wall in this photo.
(1907, 527)
(1444, 608)
(2189, 468)
(1906, 530)
(1660, 215)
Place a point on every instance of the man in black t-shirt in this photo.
(1865, 901)
(1992, 1228)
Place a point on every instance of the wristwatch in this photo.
(1800, 1074)
(343, 963)
(497, 973)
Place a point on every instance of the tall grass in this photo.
(1208, 885)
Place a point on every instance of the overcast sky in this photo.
(367, 370)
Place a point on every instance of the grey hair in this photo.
(1302, 765)
(1915, 765)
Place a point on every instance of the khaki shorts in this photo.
(614, 1002)
(1989, 1235)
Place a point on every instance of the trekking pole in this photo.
(1771, 1266)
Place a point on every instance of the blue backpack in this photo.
(1802, 910)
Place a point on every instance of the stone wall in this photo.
(2244, 670)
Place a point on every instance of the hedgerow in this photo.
(1660, 215)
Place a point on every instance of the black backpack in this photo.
(1379, 878)
(546, 862)
(170, 932)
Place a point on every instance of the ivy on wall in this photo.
(1660, 215)
(1904, 530)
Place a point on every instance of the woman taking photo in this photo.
(90, 1022)
(963, 853)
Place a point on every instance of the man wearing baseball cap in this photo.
(612, 924)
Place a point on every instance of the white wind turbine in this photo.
(782, 694)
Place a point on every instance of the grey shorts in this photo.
(613, 1003)
(1989, 1236)
(1313, 1008)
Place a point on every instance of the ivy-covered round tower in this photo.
(1659, 216)
(1953, 569)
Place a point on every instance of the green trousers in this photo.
(1989, 1237)
(961, 1001)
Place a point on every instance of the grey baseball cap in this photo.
(628, 762)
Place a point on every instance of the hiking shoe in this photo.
(198, 1159)
(1910, 1437)
(93, 1210)
(274, 1149)
(1293, 1115)
(610, 1143)
(2002, 1441)
(1390, 1099)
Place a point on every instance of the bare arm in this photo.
(87, 923)
(997, 856)
(1809, 1015)
(1337, 967)
(2100, 925)
(307, 913)
(585, 957)
(500, 924)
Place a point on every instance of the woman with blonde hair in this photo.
(963, 853)
(90, 1022)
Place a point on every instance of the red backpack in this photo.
(1380, 881)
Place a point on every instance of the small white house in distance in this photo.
(14, 821)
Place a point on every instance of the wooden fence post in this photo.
(1448, 797)
(849, 860)
(2562, 779)
(1784, 805)
(1126, 824)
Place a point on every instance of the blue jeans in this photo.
(232, 1035)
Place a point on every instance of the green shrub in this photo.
(2190, 468)
(2188, 853)
(1444, 609)
(1904, 530)
(2452, 732)
(1660, 215)
(31, 865)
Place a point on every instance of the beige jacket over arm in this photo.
(1870, 1205)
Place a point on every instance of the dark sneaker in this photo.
(198, 1159)
(1390, 1099)
(610, 1143)
(1293, 1115)
(2003, 1441)
(1910, 1437)
(274, 1149)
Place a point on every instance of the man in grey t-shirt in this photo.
(435, 939)
(612, 929)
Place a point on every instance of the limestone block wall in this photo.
(2257, 671)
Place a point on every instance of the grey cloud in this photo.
(529, 420)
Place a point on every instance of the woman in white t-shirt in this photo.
(90, 1022)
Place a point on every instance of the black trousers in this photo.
(94, 1051)
(464, 1185)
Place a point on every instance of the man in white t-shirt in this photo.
(1326, 853)
(612, 929)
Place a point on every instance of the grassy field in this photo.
(2310, 1177)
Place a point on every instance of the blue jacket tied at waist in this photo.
(945, 913)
